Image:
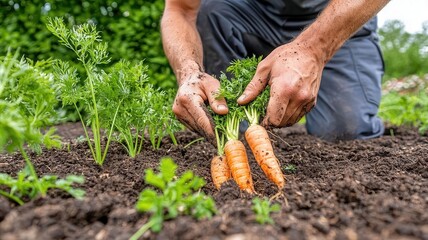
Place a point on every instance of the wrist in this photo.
(187, 69)
(317, 45)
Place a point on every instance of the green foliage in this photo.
(131, 27)
(408, 109)
(263, 210)
(404, 53)
(25, 185)
(118, 98)
(26, 103)
(291, 168)
(242, 72)
(85, 42)
(178, 196)
(139, 106)
(230, 90)
(27, 100)
(121, 92)
(161, 120)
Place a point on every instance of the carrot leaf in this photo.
(178, 196)
(263, 209)
(27, 101)
(241, 73)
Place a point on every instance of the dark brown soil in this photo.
(371, 189)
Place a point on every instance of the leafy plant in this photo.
(24, 185)
(178, 196)
(131, 27)
(263, 209)
(408, 109)
(243, 71)
(291, 168)
(26, 102)
(230, 90)
(29, 94)
(143, 106)
(161, 120)
(122, 91)
(85, 42)
(119, 99)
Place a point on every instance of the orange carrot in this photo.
(237, 160)
(261, 146)
(220, 171)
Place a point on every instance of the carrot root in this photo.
(237, 160)
(220, 171)
(261, 146)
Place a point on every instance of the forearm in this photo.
(181, 42)
(339, 20)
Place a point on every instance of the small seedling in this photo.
(178, 196)
(25, 185)
(193, 142)
(290, 168)
(263, 209)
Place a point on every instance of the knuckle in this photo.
(276, 122)
(304, 96)
(283, 88)
(274, 93)
(176, 110)
(183, 99)
(261, 66)
(251, 86)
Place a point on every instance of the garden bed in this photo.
(371, 189)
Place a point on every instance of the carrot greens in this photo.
(27, 100)
(85, 42)
(117, 100)
(243, 71)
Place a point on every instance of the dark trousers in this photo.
(350, 91)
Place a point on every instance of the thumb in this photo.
(218, 105)
(254, 88)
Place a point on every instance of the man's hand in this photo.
(294, 75)
(189, 105)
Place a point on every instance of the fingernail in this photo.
(242, 98)
(221, 107)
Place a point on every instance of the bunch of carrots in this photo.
(231, 160)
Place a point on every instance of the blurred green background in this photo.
(130, 27)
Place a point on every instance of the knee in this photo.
(346, 126)
(334, 129)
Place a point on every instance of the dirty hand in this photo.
(189, 106)
(293, 72)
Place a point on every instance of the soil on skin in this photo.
(363, 189)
